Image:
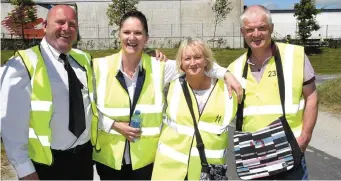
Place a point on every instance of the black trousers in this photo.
(126, 172)
(72, 164)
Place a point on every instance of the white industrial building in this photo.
(169, 21)
(286, 24)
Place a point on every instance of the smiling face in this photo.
(257, 31)
(61, 28)
(133, 36)
(193, 61)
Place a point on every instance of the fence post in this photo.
(241, 41)
(327, 31)
(171, 30)
(232, 35)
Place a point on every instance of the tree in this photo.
(24, 13)
(220, 8)
(117, 9)
(306, 13)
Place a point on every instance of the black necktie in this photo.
(76, 106)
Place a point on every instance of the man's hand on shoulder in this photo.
(157, 54)
(233, 84)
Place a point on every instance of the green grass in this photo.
(328, 62)
(329, 94)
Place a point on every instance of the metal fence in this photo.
(325, 31)
(170, 35)
(165, 35)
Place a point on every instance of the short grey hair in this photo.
(246, 13)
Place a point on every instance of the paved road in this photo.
(321, 78)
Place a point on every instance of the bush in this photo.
(18, 44)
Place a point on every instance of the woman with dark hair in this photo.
(128, 82)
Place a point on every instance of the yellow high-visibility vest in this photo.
(114, 102)
(262, 103)
(41, 102)
(177, 155)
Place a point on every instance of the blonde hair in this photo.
(197, 47)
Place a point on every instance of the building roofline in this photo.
(293, 11)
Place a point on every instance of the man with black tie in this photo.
(47, 105)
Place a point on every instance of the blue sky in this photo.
(289, 4)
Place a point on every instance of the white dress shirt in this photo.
(15, 101)
(170, 74)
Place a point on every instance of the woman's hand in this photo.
(127, 131)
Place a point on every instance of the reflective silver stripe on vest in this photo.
(126, 111)
(287, 71)
(41, 105)
(174, 104)
(156, 69)
(44, 140)
(183, 158)
(180, 129)
(189, 130)
(149, 131)
(273, 109)
(103, 68)
(170, 152)
(209, 153)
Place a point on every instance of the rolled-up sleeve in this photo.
(217, 72)
(309, 73)
(15, 93)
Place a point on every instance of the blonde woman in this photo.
(177, 157)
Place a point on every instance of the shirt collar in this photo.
(139, 66)
(264, 63)
(50, 50)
